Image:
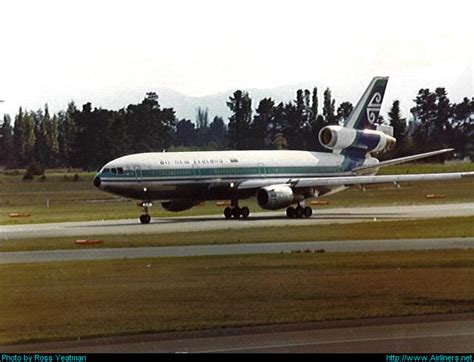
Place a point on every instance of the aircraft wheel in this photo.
(290, 212)
(299, 212)
(236, 212)
(228, 212)
(308, 212)
(245, 212)
(145, 219)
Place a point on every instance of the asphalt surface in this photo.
(235, 249)
(217, 222)
(425, 334)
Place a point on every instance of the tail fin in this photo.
(367, 109)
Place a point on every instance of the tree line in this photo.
(90, 137)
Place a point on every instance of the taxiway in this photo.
(217, 222)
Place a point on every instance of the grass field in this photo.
(83, 299)
(57, 199)
(52, 301)
(403, 229)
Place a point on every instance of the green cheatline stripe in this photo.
(231, 171)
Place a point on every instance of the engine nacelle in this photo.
(276, 197)
(178, 205)
(339, 138)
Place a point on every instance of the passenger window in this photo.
(114, 170)
(120, 170)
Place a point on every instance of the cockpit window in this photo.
(106, 170)
(120, 170)
(114, 170)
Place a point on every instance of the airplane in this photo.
(277, 178)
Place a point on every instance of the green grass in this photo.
(53, 301)
(57, 200)
(402, 229)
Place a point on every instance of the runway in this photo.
(235, 249)
(217, 222)
(433, 334)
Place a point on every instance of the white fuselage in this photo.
(213, 175)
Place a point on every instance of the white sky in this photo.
(71, 49)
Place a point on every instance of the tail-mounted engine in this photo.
(340, 138)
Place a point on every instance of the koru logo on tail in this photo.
(374, 107)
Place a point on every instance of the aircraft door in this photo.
(261, 170)
(138, 173)
(196, 171)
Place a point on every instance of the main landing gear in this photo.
(145, 218)
(299, 212)
(235, 211)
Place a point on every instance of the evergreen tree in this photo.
(432, 112)
(463, 127)
(239, 123)
(202, 121)
(314, 104)
(262, 122)
(67, 130)
(185, 133)
(329, 107)
(29, 137)
(343, 111)
(217, 132)
(396, 121)
(6, 142)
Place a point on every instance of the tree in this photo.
(47, 145)
(6, 142)
(202, 121)
(398, 123)
(149, 126)
(280, 142)
(343, 111)
(185, 133)
(67, 133)
(329, 107)
(314, 104)
(239, 123)
(262, 122)
(294, 125)
(463, 127)
(202, 117)
(24, 138)
(217, 132)
(432, 112)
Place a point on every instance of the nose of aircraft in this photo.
(96, 181)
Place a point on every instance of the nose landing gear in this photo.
(145, 218)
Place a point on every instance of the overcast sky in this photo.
(74, 49)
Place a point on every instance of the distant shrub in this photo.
(43, 178)
(35, 168)
(28, 176)
(76, 177)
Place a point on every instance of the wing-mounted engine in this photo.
(277, 197)
(178, 205)
(340, 138)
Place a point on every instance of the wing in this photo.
(355, 179)
(396, 161)
(352, 180)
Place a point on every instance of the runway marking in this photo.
(361, 340)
